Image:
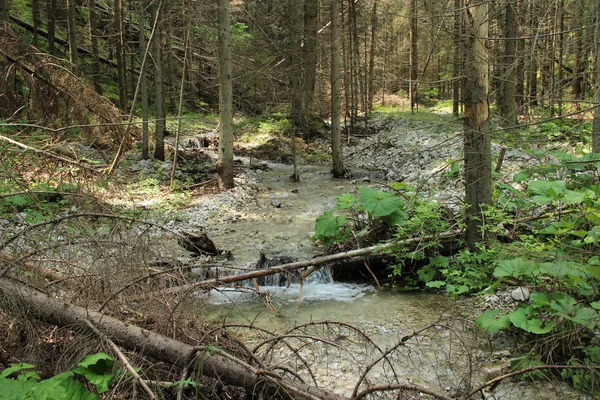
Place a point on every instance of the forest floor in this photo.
(266, 213)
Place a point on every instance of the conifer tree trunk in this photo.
(580, 55)
(119, 48)
(456, 70)
(414, 63)
(4, 14)
(596, 124)
(561, 51)
(508, 106)
(477, 144)
(370, 77)
(51, 18)
(296, 22)
(159, 93)
(35, 14)
(93, 21)
(336, 140)
(72, 32)
(225, 156)
(143, 83)
(309, 60)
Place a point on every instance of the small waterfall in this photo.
(320, 276)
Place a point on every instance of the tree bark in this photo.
(72, 33)
(296, 95)
(4, 14)
(413, 57)
(35, 16)
(579, 56)
(159, 88)
(51, 16)
(508, 104)
(119, 50)
(456, 70)
(54, 311)
(596, 124)
(225, 157)
(336, 139)
(477, 144)
(93, 21)
(309, 61)
(143, 82)
(371, 77)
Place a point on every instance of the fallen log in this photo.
(208, 283)
(222, 366)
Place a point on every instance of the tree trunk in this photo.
(51, 16)
(561, 50)
(309, 60)
(580, 54)
(96, 78)
(336, 139)
(35, 15)
(143, 82)
(508, 104)
(159, 90)
(225, 157)
(371, 77)
(596, 125)
(4, 14)
(456, 71)
(296, 22)
(53, 311)
(413, 57)
(119, 49)
(477, 144)
(72, 33)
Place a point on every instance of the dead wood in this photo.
(223, 366)
(208, 283)
(47, 154)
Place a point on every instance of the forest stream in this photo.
(276, 217)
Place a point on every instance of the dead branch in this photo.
(208, 283)
(225, 367)
(123, 359)
(47, 154)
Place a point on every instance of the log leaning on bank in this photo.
(159, 347)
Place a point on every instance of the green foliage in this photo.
(21, 382)
(372, 207)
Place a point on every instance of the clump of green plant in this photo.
(357, 216)
(21, 382)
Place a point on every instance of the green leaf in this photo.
(595, 305)
(18, 200)
(98, 370)
(525, 318)
(11, 389)
(426, 273)
(327, 225)
(557, 269)
(492, 322)
(397, 218)
(345, 201)
(522, 176)
(544, 192)
(378, 203)
(435, 284)
(12, 368)
(515, 268)
(99, 363)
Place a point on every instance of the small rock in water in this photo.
(276, 203)
(520, 294)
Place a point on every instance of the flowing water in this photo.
(280, 222)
